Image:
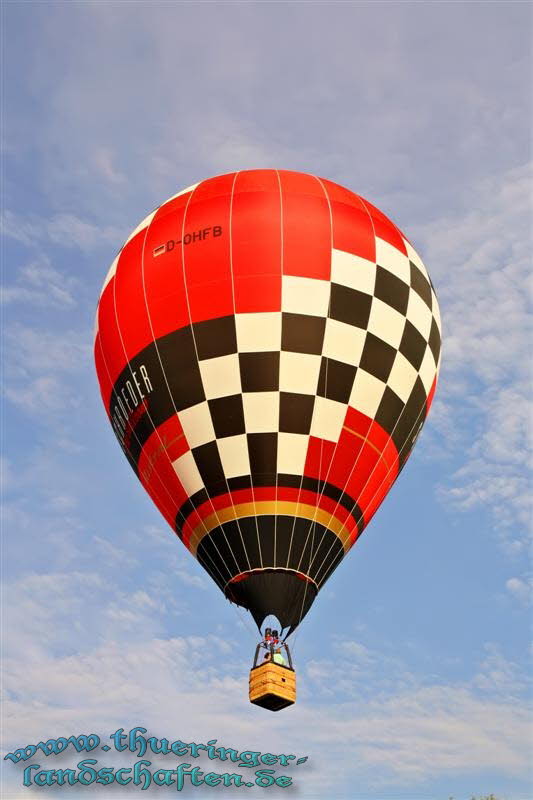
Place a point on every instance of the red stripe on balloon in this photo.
(164, 286)
(109, 335)
(364, 457)
(206, 250)
(306, 227)
(385, 229)
(431, 395)
(106, 386)
(156, 472)
(266, 493)
(318, 459)
(353, 231)
(256, 242)
(131, 311)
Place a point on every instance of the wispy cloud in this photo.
(41, 396)
(406, 736)
(39, 284)
(481, 262)
(35, 351)
(104, 161)
(39, 365)
(65, 230)
(521, 589)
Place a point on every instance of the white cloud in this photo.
(480, 261)
(39, 284)
(437, 730)
(69, 230)
(176, 567)
(23, 229)
(64, 229)
(61, 503)
(113, 555)
(44, 614)
(190, 580)
(104, 162)
(406, 736)
(231, 103)
(498, 676)
(34, 350)
(39, 369)
(356, 651)
(520, 589)
(40, 396)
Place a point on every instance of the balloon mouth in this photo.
(281, 592)
(243, 575)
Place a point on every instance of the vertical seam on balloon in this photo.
(161, 364)
(312, 526)
(282, 263)
(198, 362)
(282, 266)
(235, 322)
(321, 491)
(309, 439)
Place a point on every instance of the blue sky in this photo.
(413, 664)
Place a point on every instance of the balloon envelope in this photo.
(267, 346)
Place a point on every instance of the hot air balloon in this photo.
(267, 346)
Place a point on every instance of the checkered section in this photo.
(251, 389)
(400, 356)
(304, 305)
(368, 339)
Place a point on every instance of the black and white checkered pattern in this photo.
(266, 382)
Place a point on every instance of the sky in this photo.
(413, 663)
